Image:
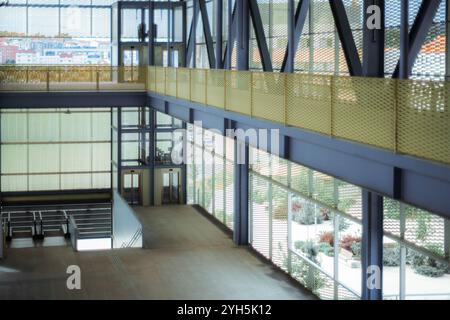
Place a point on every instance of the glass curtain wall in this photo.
(310, 225)
(210, 173)
(55, 32)
(55, 149)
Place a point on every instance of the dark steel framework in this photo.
(414, 181)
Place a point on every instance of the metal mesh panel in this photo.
(360, 113)
(209, 188)
(349, 199)
(229, 194)
(300, 178)
(308, 102)
(279, 169)
(279, 226)
(268, 96)
(423, 119)
(238, 91)
(190, 174)
(151, 78)
(171, 82)
(215, 95)
(312, 278)
(184, 83)
(160, 80)
(198, 85)
(261, 161)
(219, 191)
(260, 215)
(323, 189)
(391, 216)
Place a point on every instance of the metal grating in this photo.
(171, 82)
(160, 80)
(349, 199)
(215, 95)
(308, 102)
(198, 85)
(260, 222)
(424, 119)
(184, 83)
(151, 78)
(219, 190)
(268, 96)
(238, 91)
(279, 227)
(360, 113)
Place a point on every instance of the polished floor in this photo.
(185, 257)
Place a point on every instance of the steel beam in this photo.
(372, 246)
(241, 187)
(419, 31)
(232, 21)
(190, 51)
(243, 35)
(346, 37)
(447, 44)
(424, 184)
(300, 20)
(260, 36)
(207, 34)
(404, 40)
(219, 33)
(373, 41)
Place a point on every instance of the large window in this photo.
(56, 32)
(308, 224)
(210, 173)
(55, 149)
(415, 253)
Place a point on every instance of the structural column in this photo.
(373, 38)
(447, 51)
(241, 186)
(219, 28)
(243, 35)
(372, 246)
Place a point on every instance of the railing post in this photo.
(97, 80)
(48, 80)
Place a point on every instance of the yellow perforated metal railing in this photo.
(404, 116)
(73, 78)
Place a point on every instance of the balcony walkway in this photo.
(186, 257)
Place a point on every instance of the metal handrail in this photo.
(74, 232)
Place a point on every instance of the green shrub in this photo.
(391, 257)
(429, 271)
(307, 215)
(326, 249)
(356, 249)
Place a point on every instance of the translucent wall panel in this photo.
(43, 21)
(55, 149)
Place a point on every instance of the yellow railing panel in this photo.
(215, 93)
(268, 99)
(198, 85)
(239, 91)
(308, 102)
(363, 110)
(405, 116)
(424, 119)
(151, 78)
(184, 83)
(160, 80)
(171, 82)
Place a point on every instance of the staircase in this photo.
(93, 221)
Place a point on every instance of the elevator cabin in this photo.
(147, 33)
(148, 175)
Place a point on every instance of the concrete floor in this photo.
(186, 257)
